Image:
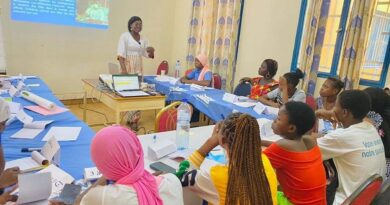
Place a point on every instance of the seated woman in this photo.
(248, 178)
(266, 82)
(117, 153)
(201, 74)
(297, 160)
(328, 95)
(287, 91)
(379, 116)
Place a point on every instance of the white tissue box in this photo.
(160, 149)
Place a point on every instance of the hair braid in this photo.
(247, 182)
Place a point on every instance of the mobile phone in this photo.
(159, 166)
(69, 193)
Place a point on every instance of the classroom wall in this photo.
(268, 31)
(63, 55)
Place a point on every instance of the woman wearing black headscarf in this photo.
(132, 46)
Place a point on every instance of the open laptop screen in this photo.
(125, 82)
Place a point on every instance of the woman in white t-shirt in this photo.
(287, 91)
(132, 47)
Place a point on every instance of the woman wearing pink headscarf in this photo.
(118, 154)
(201, 74)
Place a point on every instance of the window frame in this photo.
(338, 47)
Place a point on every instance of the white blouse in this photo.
(170, 189)
(132, 51)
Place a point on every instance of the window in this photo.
(334, 33)
(376, 63)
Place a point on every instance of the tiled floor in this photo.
(147, 117)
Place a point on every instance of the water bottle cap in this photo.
(184, 100)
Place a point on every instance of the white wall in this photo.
(268, 31)
(63, 55)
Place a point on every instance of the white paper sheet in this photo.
(34, 187)
(12, 91)
(31, 130)
(51, 148)
(23, 163)
(246, 104)
(91, 173)
(26, 133)
(38, 124)
(14, 107)
(63, 133)
(23, 117)
(58, 179)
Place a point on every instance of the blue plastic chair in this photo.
(243, 89)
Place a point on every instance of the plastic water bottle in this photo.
(183, 125)
(177, 69)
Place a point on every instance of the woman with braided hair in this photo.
(247, 178)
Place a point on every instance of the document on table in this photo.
(63, 133)
(31, 130)
(58, 179)
(24, 117)
(37, 159)
(43, 111)
(28, 189)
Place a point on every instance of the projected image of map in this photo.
(95, 12)
(81, 13)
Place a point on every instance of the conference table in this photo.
(74, 155)
(117, 103)
(215, 107)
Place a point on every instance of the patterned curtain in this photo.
(316, 18)
(213, 31)
(355, 42)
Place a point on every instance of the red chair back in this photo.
(384, 194)
(163, 66)
(366, 192)
(166, 119)
(217, 81)
(311, 101)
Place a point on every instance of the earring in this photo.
(267, 75)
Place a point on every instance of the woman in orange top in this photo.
(297, 160)
(265, 82)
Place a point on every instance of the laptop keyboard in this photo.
(132, 93)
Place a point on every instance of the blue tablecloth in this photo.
(75, 155)
(215, 110)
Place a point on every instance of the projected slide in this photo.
(84, 13)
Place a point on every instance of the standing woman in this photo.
(132, 46)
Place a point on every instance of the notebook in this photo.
(127, 85)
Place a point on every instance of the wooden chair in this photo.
(366, 192)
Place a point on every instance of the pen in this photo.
(154, 138)
(30, 149)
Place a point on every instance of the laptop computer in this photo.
(127, 86)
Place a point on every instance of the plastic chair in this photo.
(311, 101)
(217, 81)
(383, 196)
(166, 119)
(163, 66)
(187, 72)
(366, 192)
(243, 89)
